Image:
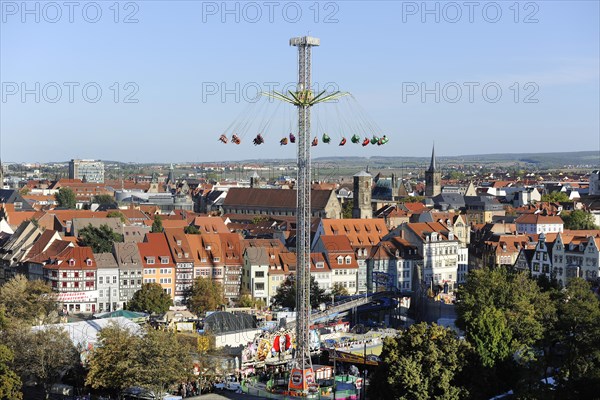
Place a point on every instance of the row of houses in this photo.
(358, 254)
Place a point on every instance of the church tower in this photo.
(363, 182)
(433, 178)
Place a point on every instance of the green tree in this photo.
(491, 336)
(116, 214)
(30, 301)
(556, 197)
(525, 307)
(66, 198)
(153, 360)
(412, 199)
(577, 331)
(46, 354)
(10, 383)
(347, 209)
(191, 230)
(112, 362)
(157, 226)
(420, 363)
(339, 290)
(505, 316)
(578, 219)
(100, 239)
(205, 295)
(286, 293)
(104, 199)
(162, 360)
(150, 298)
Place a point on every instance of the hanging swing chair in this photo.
(283, 141)
(236, 139)
(343, 141)
(374, 140)
(258, 140)
(326, 138)
(223, 139)
(355, 138)
(383, 140)
(366, 142)
(292, 138)
(315, 141)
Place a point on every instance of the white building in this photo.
(109, 298)
(87, 170)
(538, 223)
(440, 250)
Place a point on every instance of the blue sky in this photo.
(543, 56)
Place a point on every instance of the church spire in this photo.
(432, 163)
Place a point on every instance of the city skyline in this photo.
(191, 68)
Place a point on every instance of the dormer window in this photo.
(178, 242)
(164, 260)
(71, 262)
(150, 260)
(340, 260)
(348, 259)
(88, 262)
(320, 264)
(216, 259)
(186, 255)
(207, 248)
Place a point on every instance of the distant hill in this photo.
(540, 160)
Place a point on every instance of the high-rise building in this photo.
(433, 178)
(87, 170)
(363, 182)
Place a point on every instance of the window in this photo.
(100, 280)
(64, 284)
(76, 284)
(150, 260)
(115, 279)
(164, 260)
(71, 262)
(259, 286)
(100, 293)
(259, 274)
(125, 282)
(340, 260)
(88, 262)
(348, 259)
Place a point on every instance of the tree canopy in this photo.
(104, 199)
(339, 290)
(420, 363)
(10, 383)
(191, 230)
(555, 197)
(65, 198)
(116, 214)
(577, 330)
(205, 295)
(157, 226)
(286, 293)
(100, 239)
(155, 359)
(150, 298)
(31, 301)
(578, 220)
